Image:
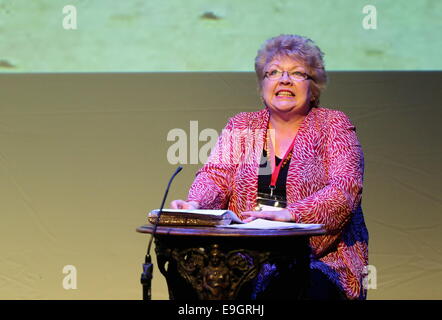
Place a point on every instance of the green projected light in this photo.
(222, 35)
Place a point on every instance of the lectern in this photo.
(213, 263)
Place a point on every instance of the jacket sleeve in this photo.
(213, 183)
(334, 204)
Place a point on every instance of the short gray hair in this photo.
(298, 48)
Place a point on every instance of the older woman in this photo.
(297, 162)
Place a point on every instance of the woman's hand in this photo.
(181, 204)
(280, 215)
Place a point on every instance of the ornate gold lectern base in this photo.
(208, 263)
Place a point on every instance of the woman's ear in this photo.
(263, 101)
(313, 101)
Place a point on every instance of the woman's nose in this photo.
(285, 78)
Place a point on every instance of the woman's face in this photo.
(285, 95)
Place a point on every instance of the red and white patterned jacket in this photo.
(324, 185)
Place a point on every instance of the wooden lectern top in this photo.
(228, 232)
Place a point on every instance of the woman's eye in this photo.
(273, 72)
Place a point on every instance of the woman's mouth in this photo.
(285, 93)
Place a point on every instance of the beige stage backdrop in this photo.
(83, 158)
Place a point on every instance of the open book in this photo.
(220, 218)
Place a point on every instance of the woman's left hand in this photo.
(280, 215)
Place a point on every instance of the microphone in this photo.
(146, 276)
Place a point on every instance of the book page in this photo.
(270, 224)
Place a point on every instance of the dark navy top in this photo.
(265, 175)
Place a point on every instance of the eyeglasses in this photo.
(275, 74)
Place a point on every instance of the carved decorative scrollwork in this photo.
(214, 274)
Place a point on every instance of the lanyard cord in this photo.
(276, 169)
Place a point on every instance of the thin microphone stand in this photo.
(147, 274)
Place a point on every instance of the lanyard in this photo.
(276, 169)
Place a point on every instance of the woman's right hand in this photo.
(181, 204)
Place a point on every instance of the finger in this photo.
(173, 205)
(249, 219)
(253, 213)
(185, 205)
(177, 204)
